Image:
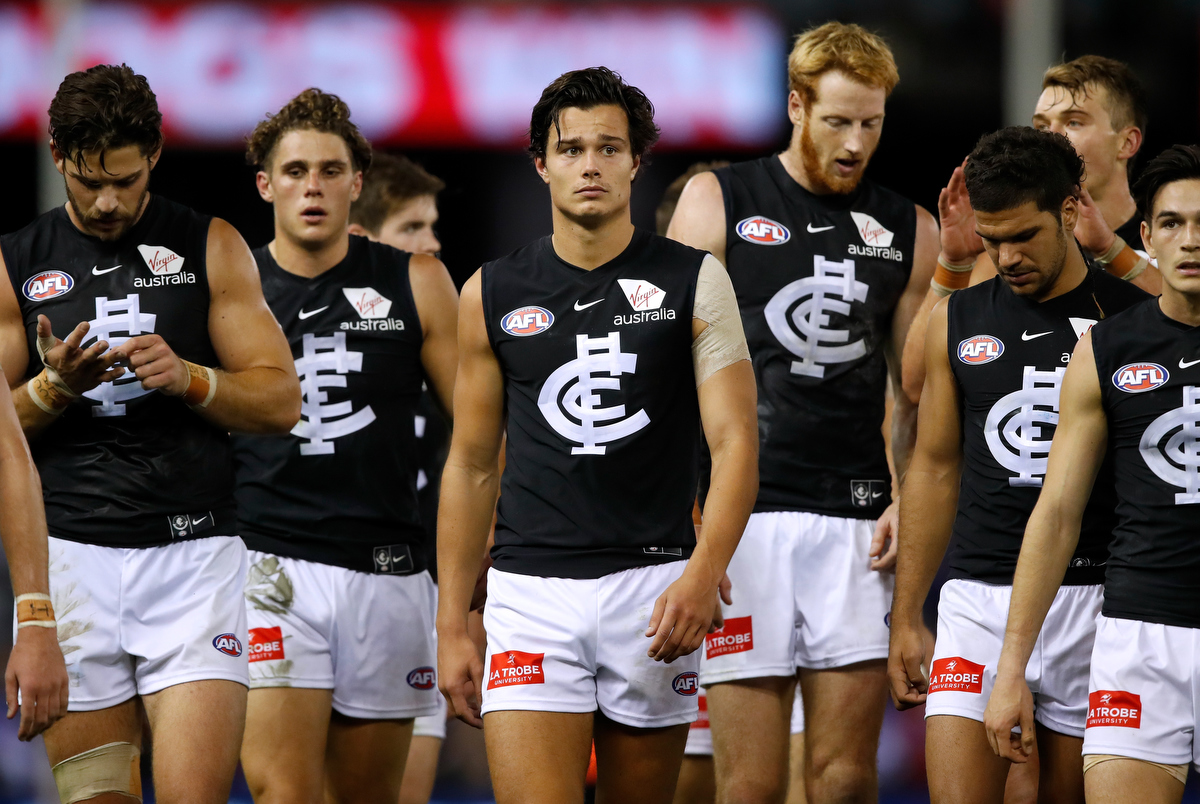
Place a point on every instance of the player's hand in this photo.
(724, 595)
(1091, 230)
(907, 677)
(887, 531)
(37, 669)
(956, 218)
(682, 616)
(460, 677)
(155, 364)
(81, 369)
(1011, 705)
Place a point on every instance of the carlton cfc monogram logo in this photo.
(798, 316)
(570, 399)
(120, 315)
(325, 363)
(1171, 447)
(1018, 427)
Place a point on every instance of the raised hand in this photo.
(956, 217)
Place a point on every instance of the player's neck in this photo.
(588, 247)
(1115, 202)
(1181, 307)
(1072, 276)
(793, 163)
(298, 259)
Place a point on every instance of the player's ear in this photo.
(356, 190)
(1131, 142)
(154, 157)
(795, 108)
(1069, 212)
(58, 156)
(263, 182)
(360, 230)
(637, 163)
(539, 164)
(1146, 243)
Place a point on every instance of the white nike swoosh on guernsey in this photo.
(579, 307)
(1025, 336)
(198, 521)
(310, 313)
(814, 230)
(97, 272)
(1188, 364)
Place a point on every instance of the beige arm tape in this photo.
(723, 342)
(1178, 772)
(111, 768)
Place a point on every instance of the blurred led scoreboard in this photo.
(454, 75)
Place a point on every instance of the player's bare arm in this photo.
(1050, 539)
(437, 305)
(254, 389)
(470, 483)
(35, 666)
(1120, 259)
(930, 497)
(699, 219)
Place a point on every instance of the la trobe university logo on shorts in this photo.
(512, 667)
(799, 316)
(1114, 708)
(1020, 426)
(1171, 447)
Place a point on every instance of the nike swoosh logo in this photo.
(876, 495)
(97, 272)
(198, 521)
(1188, 364)
(310, 313)
(579, 307)
(1025, 336)
(814, 230)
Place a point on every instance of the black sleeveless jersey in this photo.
(1008, 355)
(341, 488)
(124, 466)
(603, 420)
(817, 278)
(1149, 371)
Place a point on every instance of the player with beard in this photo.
(129, 420)
(1129, 398)
(341, 604)
(829, 269)
(603, 349)
(996, 357)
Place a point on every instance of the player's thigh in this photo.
(538, 757)
(697, 784)
(82, 731)
(1060, 759)
(795, 793)
(420, 772)
(283, 751)
(197, 728)
(1131, 781)
(637, 765)
(843, 709)
(365, 759)
(962, 767)
(751, 721)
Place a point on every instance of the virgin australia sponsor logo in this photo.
(641, 318)
(372, 308)
(167, 267)
(877, 239)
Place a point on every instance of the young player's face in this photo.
(1086, 122)
(311, 181)
(839, 132)
(1173, 236)
(1027, 245)
(410, 228)
(589, 164)
(107, 199)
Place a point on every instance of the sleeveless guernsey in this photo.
(1149, 372)
(1008, 355)
(817, 278)
(341, 488)
(603, 419)
(123, 466)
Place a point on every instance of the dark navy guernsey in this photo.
(817, 279)
(341, 488)
(124, 466)
(603, 419)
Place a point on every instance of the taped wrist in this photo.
(35, 610)
(202, 385)
(949, 277)
(49, 392)
(723, 342)
(111, 768)
(1122, 261)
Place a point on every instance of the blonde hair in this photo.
(852, 49)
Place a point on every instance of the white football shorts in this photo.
(571, 645)
(971, 620)
(804, 595)
(1143, 699)
(367, 637)
(136, 620)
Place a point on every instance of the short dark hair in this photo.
(103, 107)
(311, 110)
(1177, 163)
(587, 89)
(670, 199)
(1018, 164)
(391, 183)
(1125, 97)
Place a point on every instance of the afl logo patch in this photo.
(526, 321)
(1137, 378)
(47, 285)
(228, 644)
(423, 678)
(763, 231)
(686, 683)
(980, 349)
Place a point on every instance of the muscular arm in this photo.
(437, 305)
(699, 219)
(927, 508)
(470, 483)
